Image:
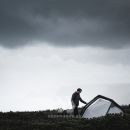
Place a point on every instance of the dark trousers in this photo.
(76, 113)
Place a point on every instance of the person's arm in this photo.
(82, 100)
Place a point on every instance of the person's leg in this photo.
(76, 111)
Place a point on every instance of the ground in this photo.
(39, 120)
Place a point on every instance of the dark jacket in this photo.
(76, 98)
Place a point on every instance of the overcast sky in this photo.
(49, 48)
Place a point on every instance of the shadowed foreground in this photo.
(40, 121)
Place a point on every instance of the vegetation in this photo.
(38, 120)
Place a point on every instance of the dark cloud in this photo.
(65, 22)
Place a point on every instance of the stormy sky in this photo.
(49, 48)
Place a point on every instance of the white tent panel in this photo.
(97, 109)
(114, 110)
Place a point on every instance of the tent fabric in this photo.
(100, 106)
(114, 110)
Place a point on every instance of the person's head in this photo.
(79, 90)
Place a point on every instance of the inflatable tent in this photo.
(100, 106)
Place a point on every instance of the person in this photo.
(75, 101)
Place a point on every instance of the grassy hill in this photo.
(38, 120)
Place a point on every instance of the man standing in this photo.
(75, 101)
